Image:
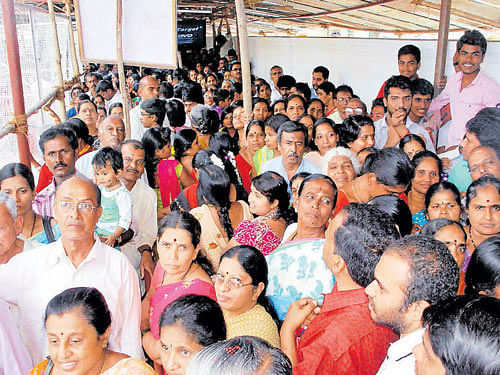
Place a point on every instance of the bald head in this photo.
(149, 88)
(111, 131)
(91, 189)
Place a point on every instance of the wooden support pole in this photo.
(74, 58)
(121, 69)
(214, 31)
(245, 62)
(57, 54)
(16, 81)
(238, 39)
(442, 44)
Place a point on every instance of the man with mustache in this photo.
(139, 249)
(320, 74)
(111, 132)
(394, 126)
(58, 145)
(292, 138)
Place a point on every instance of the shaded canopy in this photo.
(333, 17)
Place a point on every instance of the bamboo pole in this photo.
(74, 58)
(245, 62)
(442, 44)
(121, 69)
(10, 126)
(57, 54)
(16, 81)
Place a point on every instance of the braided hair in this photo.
(214, 186)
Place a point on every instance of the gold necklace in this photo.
(354, 191)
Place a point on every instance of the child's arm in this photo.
(124, 203)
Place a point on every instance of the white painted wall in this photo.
(364, 64)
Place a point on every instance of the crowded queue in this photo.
(320, 235)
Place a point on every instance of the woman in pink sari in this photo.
(181, 270)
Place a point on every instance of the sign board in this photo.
(191, 33)
(149, 35)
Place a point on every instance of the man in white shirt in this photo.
(412, 274)
(275, 73)
(395, 125)
(108, 92)
(342, 95)
(111, 132)
(149, 88)
(14, 359)
(30, 280)
(139, 249)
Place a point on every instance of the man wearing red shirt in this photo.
(342, 338)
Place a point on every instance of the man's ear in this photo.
(18, 224)
(337, 264)
(371, 179)
(99, 211)
(385, 101)
(415, 310)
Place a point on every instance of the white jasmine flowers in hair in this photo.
(217, 161)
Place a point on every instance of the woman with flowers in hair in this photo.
(217, 214)
(205, 122)
(221, 145)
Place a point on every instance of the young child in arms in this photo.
(116, 200)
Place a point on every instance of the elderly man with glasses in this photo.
(77, 259)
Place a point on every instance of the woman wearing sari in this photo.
(296, 267)
(17, 181)
(181, 270)
(78, 322)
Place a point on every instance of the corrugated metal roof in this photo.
(369, 18)
(336, 17)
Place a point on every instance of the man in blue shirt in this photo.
(292, 138)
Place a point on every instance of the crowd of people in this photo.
(314, 236)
